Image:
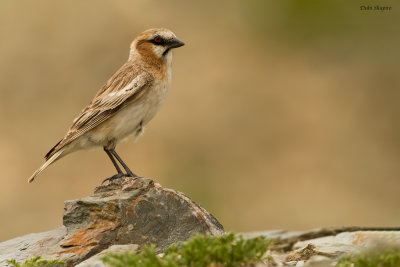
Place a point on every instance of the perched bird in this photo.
(125, 104)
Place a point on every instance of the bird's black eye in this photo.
(158, 39)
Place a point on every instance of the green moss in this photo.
(201, 250)
(36, 262)
(389, 257)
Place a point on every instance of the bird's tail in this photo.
(49, 161)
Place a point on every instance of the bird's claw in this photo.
(131, 174)
(119, 175)
(114, 177)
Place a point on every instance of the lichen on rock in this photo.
(125, 211)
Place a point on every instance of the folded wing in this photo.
(119, 91)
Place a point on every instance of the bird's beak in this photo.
(175, 42)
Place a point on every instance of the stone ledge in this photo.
(123, 212)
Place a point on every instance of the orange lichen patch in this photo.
(76, 250)
(103, 212)
(84, 237)
(129, 210)
(87, 238)
(170, 196)
(362, 238)
(359, 238)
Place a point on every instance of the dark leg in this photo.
(113, 160)
(128, 171)
(119, 174)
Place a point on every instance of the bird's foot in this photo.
(131, 174)
(114, 177)
(120, 175)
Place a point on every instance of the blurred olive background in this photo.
(282, 114)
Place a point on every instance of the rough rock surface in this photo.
(313, 248)
(323, 247)
(128, 213)
(125, 211)
(96, 261)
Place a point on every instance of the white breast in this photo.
(127, 120)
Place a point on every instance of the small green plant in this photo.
(382, 258)
(201, 250)
(36, 262)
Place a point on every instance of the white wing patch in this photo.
(133, 85)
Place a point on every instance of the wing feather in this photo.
(123, 88)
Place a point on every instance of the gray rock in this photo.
(96, 261)
(324, 246)
(31, 245)
(319, 261)
(125, 211)
(129, 213)
(351, 242)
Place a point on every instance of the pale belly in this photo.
(127, 121)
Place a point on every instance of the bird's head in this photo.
(155, 45)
